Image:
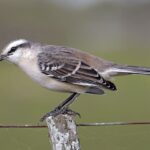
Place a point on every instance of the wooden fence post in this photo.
(63, 132)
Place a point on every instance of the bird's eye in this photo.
(13, 49)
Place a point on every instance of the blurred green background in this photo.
(117, 30)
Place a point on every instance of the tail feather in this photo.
(122, 69)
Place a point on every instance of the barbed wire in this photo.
(79, 124)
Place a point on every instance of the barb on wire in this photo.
(79, 124)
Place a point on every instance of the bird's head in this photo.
(14, 50)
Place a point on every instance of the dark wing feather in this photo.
(71, 70)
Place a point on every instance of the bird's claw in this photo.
(58, 111)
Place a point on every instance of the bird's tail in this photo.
(125, 69)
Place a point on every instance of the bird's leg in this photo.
(63, 107)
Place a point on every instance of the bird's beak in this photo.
(2, 57)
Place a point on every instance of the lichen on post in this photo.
(63, 132)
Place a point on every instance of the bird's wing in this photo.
(67, 68)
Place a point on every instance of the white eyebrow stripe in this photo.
(15, 43)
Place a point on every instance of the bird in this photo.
(66, 69)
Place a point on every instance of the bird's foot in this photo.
(57, 111)
(72, 113)
(62, 108)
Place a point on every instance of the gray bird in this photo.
(66, 69)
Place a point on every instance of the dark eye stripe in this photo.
(13, 49)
